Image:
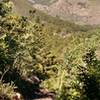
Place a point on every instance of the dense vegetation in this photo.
(34, 57)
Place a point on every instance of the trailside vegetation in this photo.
(37, 61)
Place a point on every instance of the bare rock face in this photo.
(79, 11)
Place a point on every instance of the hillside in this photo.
(86, 12)
(79, 11)
(45, 58)
(23, 7)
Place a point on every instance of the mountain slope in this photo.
(79, 11)
(23, 7)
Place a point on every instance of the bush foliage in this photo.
(33, 56)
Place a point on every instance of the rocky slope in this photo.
(79, 11)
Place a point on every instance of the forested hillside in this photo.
(43, 60)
